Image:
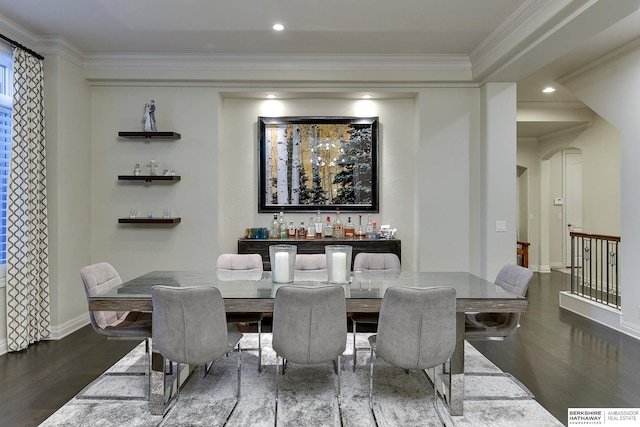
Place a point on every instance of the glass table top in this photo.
(259, 285)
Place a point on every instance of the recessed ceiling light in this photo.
(549, 89)
(367, 96)
(278, 27)
(270, 96)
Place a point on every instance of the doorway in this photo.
(572, 201)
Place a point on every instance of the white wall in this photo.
(527, 155)
(498, 176)
(613, 91)
(447, 208)
(238, 196)
(68, 164)
(431, 165)
(193, 244)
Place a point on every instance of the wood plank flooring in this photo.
(564, 359)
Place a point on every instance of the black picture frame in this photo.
(310, 163)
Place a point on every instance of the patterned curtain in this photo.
(28, 309)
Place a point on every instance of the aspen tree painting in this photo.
(318, 163)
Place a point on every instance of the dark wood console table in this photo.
(316, 246)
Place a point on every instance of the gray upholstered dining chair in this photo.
(134, 325)
(416, 330)
(309, 327)
(311, 267)
(498, 326)
(243, 267)
(379, 262)
(190, 327)
(311, 262)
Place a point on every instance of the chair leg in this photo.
(277, 384)
(371, 380)
(239, 369)
(260, 346)
(354, 344)
(148, 347)
(339, 388)
(436, 374)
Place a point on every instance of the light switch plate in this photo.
(501, 226)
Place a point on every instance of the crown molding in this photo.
(13, 31)
(226, 62)
(60, 47)
(573, 129)
(615, 54)
(530, 17)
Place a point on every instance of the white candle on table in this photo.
(281, 268)
(338, 267)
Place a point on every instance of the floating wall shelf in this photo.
(158, 221)
(149, 178)
(149, 135)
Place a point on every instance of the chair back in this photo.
(514, 279)
(417, 326)
(250, 262)
(98, 279)
(376, 261)
(189, 324)
(311, 262)
(309, 323)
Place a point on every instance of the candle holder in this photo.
(283, 262)
(338, 263)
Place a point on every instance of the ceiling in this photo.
(329, 27)
(245, 26)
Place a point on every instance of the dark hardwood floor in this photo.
(564, 359)
(37, 381)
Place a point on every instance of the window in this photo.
(6, 102)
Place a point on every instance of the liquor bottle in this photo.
(349, 229)
(282, 226)
(318, 226)
(311, 229)
(291, 231)
(375, 230)
(338, 227)
(274, 231)
(302, 231)
(328, 229)
(369, 229)
(360, 232)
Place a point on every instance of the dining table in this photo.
(364, 290)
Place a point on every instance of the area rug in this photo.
(307, 396)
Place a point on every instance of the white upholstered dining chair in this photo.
(243, 267)
(134, 325)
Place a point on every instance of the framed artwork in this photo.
(318, 163)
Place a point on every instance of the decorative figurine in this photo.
(152, 115)
(136, 170)
(152, 165)
(149, 118)
(146, 119)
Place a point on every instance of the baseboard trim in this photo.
(544, 269)
(67, 328)
(598, 313)
(57, 332)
